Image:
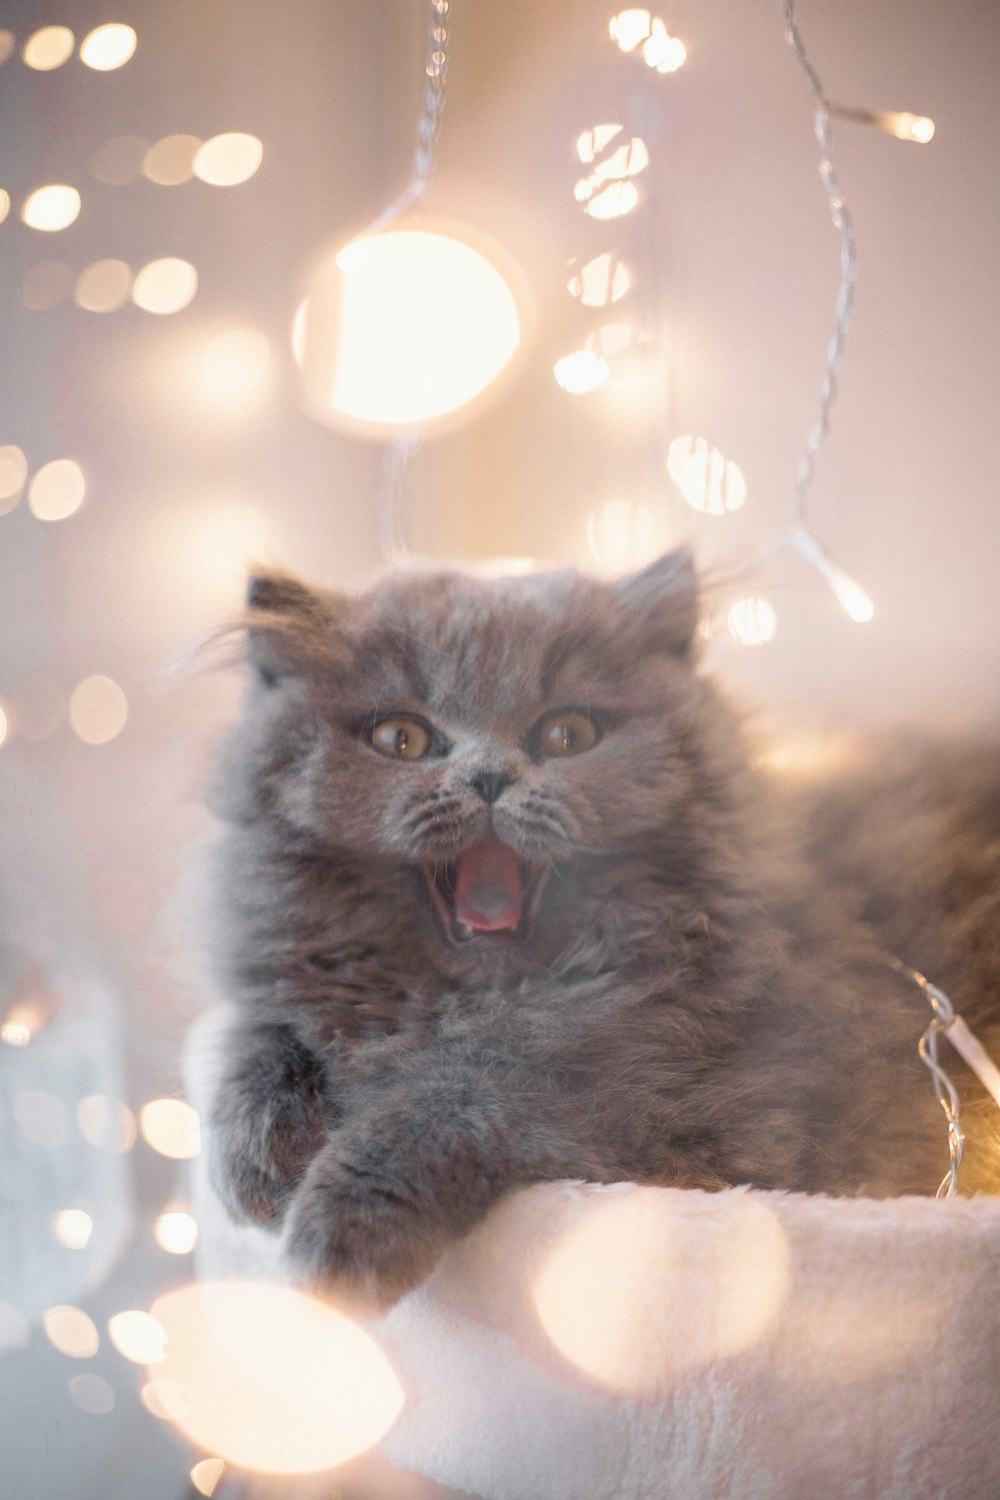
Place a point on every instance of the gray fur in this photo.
(699, 1001)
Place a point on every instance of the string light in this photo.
(752, 621)
(900, 123)
(98, 710)
(73, 1227)
(51, 208)
(170, 1126)
(600, 281)
(176, 1231)
(108, 47)
(170, 161)
(138, 1336)
(7, 45)
(226, 160)
(205, 1475)
(165, 286)
(103, 286)
(57, 490)
(708, 480)
(13, 473)
(48, 48)
(71, 1331)
(632, 29)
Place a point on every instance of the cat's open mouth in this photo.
(487, 892)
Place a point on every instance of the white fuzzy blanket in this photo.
(624, 1343)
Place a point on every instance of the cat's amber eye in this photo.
(401, 739)
(565, 732)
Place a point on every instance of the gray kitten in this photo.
(501, 901)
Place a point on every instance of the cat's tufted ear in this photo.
(663, 601)
(290, 627)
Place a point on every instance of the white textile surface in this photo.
(624, 1343)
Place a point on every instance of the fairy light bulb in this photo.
(752, 621)
(851, 597)
(581, 372)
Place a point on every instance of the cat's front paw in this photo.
(363, 1237)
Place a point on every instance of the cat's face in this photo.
(493, 735)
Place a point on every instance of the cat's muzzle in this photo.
(487, 893)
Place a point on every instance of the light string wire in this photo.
(396, 474)
(798, 534)
(942, 1020)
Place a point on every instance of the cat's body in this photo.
(500, 901)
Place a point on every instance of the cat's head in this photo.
(488, 733)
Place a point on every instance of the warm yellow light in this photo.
(98, 710)
(107, 47)
(271, 1379)
(57, 490)
(176, 1231)
(752, 621)
(205, 1475)
(4, 204)
(138, 1336)
(170, 1126)
(613, 201)
(165, 286)
(7, 45)
(623, 1297)
(119, 160)
(228, 159)
(630, 27)
(104, 286)
(590, 143)
(918, 128)
(166, 1400)
(233, 369)
(13, 473)
(4, 732)
(708, 480)
(106, 1124)
(601, 281)
(73, 1228)
(71, 1331)
(581, 372)
(170, 161)
(663, 52)
(45, 284)
(92, 1393)
(809, 754)
(851, 596)
(15, 1330)
(14, 1033)
(48, 48)
(404, 327)
(624, 535)
(52, 207)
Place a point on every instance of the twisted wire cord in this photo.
(944, 1090)
(844, 308)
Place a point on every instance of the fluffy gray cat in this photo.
(500, 900)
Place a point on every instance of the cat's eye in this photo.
(565, 732)
(401, 739)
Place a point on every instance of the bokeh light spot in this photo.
(15, 1330)
(851, 596)
(404, 327)
(271, 1379)
(52, 207)
(139, 1336)
(119, 160)
(580, 372)
(165, 286)
(45, 285)
(166, 1399)
(632, 1330)
(170, 161)
(613, 201)
(13, 473)
(92, 1393)
(662, 51)
(708, 480)
(7, 45)
(176, 1231)
(98, 710)
(103, 286)
(107, 1124)
(4, 204)
(600, 281)
(752, 621)
(48, 48)
(71, 1331)
(205, 1475)
(73, 1227)
(57, 490)
(226, 160)
(11, 1032)
(108, 47)
(171, 1127)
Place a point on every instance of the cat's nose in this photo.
(489, 784)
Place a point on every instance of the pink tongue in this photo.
(488, 892)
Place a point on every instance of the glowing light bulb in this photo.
(170, 161)
(663, 52)
(851, 596)
(601, 281)
(229, 159)
(165, 286)
(630, 27)
(752, 621)
(170, 1126)
(918, 128)
(176, 1231)
(52, 207)
(108, 47)
(581, 372)
(402, 328)
(57, 490)
(48, 48)
(708, 480)
(73, 1228)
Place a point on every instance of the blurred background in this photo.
(652, 273)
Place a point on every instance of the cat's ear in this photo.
(290, 627)
(662, 600)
